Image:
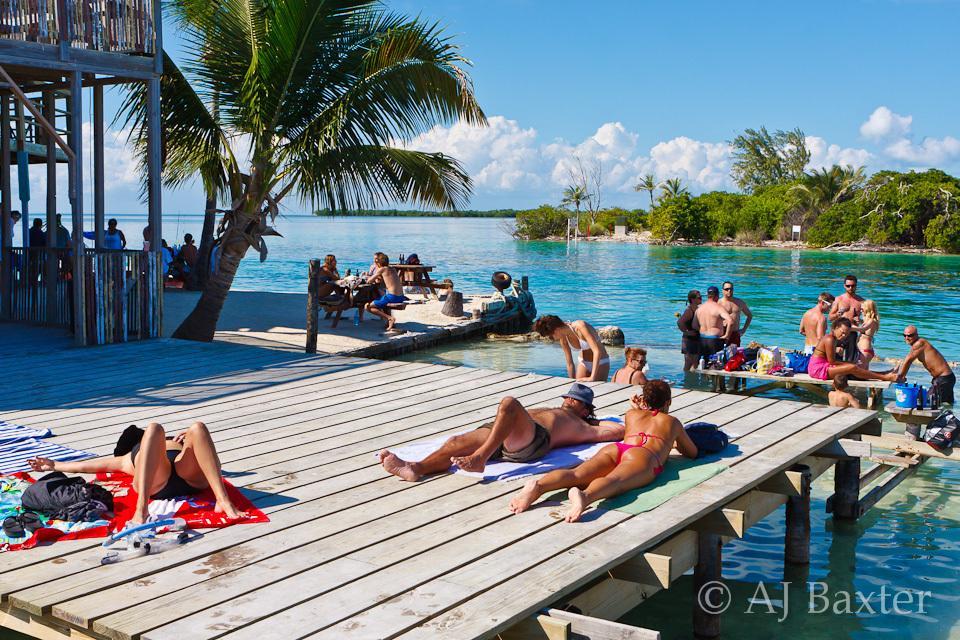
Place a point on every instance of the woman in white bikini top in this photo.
(593, 362)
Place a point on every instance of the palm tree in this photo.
(823, 188)
(649, 184)
(575, 195)
(315, 94)
(672, 188)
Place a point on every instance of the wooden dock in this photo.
(718, 377)
(352, 552)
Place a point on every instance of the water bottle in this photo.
(703, 363)
(356, 318)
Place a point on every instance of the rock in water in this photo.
(453, 306)
(612, 336)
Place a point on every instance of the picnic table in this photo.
(418, 275)
(875, 388)
(356, 295)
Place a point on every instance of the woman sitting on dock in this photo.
(823, 363)
(161, 468)
(650, 436)
(593, 363)
(632, 371)
(867, 330)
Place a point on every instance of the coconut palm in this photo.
(575, 195)
(313, 99)
(672, 188)
(823, 188)
(649, 184)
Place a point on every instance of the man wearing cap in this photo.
(716, 325)
(516, 435)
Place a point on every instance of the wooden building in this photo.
(54, 55)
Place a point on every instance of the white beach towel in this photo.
(562, 458)
(15, 433)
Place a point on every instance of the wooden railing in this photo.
(122, 296)
(29, 291)
(120, 26)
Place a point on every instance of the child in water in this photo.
(840, 396)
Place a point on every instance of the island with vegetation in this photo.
(838, 205)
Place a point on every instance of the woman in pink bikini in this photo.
(823, 363)
(650, 436)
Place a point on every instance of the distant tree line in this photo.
(402, 213)
(831, 205)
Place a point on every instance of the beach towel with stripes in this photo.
(14, 433)
(14, 455)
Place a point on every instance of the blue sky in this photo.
(639, 87)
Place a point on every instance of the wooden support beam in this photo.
(52, 266)
(797, 537)
(663, 564)
(611, 598)
(313, 305)
(98, 168)
(846, 448)
(706, 623)
(790, 482)
(883, 488)
(76, 204)
(736, 517)
(43, 628)
(871, 428)
(598, 629)
(6, 194)
(35, 112)
(541, 627)
(154, 164)
(904, 444)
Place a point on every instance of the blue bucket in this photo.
(906, 396)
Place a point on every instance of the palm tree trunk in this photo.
(201, 324)
(201, 272)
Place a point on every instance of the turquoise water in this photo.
(909, 541)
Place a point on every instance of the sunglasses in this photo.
(728, 288)
(909, 335)
(850, 286)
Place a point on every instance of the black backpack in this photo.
(708, 438)
(64, 498)
(943, 431)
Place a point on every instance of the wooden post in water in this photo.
(797, 539)
(5, 196)
(708, 599)
(313, 304)
(51, 272)
(846, 489)
(525, 283)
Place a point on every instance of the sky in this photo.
(639, 87)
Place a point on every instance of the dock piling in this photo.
(313, 305)
(706, 623)
(845, 504)
(797, 539)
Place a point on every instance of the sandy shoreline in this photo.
(645, 237)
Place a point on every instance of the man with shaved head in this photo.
(941, 387)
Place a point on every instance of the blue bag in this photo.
(798, 362)
(708, 438)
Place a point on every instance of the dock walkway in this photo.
(351, 551)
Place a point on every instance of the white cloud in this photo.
(823, 154)
(930, 152)
(884, 124)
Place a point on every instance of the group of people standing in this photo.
(708, 327)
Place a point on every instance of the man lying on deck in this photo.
(823, 363)
(516, 435)
(161, 468)
(650, 436)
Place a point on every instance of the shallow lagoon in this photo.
(909, 541)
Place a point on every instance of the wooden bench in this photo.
(875, 388)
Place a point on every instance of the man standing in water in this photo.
(941, 387)
(716, 324)
(850, 306)
(690, 345)
(516, 435)
(813, 325)
(735, 307)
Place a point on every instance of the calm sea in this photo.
(909, 541)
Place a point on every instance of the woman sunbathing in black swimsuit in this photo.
(161, 468)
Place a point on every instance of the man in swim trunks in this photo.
(849, 305)
(516, 435)
(735, 307)
(161, 468)
(813, 324)
(716, 324)
(394, 295)
(941, 387)
(823, 363)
